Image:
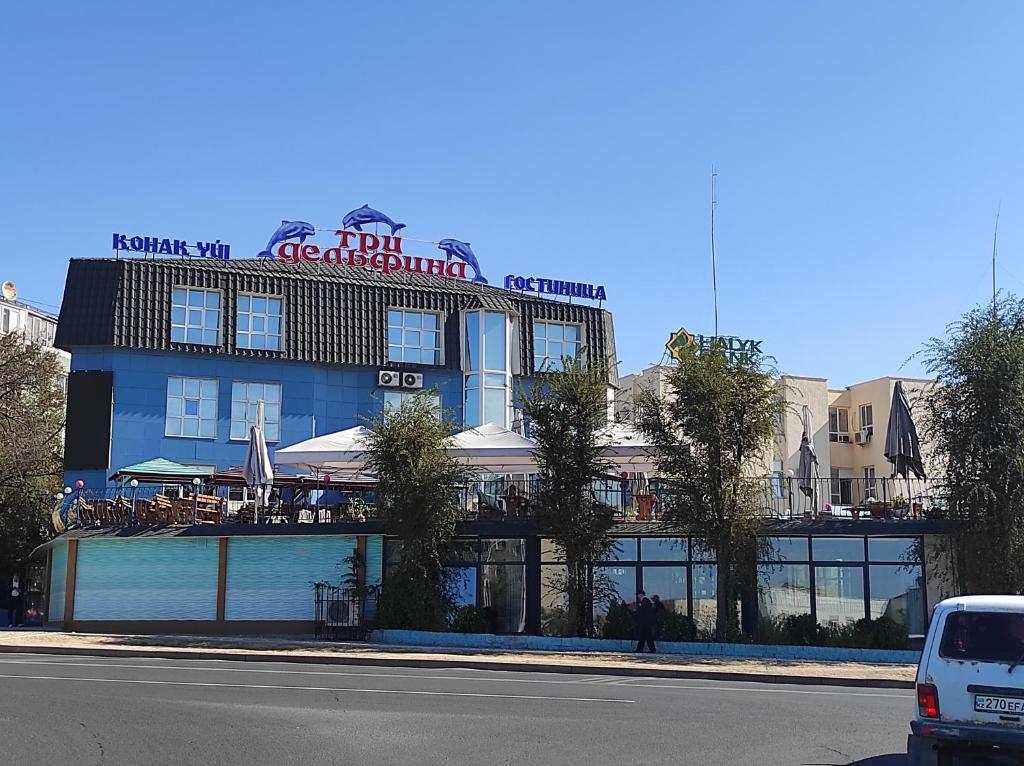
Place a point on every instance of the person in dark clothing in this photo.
(645, 618)
(14, 606)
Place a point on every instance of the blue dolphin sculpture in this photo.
(288, 230)
(366, 214)
(454, 248)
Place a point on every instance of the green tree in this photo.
(710, 435)
(31, 424)
(975, 427)
(566, 410)
(417, 494)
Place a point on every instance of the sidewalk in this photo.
(289, 649)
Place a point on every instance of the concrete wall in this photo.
(333, 397)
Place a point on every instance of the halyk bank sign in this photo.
(733, 348)
(356, 248)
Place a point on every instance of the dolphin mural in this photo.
(366, 214)
(288, 230)
(453, 248)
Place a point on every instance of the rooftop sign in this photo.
(733, 348)
(167, 246)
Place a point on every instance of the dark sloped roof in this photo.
(332, 314)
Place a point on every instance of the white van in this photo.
(970, 683)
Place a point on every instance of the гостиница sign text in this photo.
(555, 287)
(166, 246)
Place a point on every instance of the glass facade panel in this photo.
(700, 550)
(784, 589)
(705, 605)
(663, 548)
(785, 549)
(613, 582)
(503, 595)
(900, 549)
(669, 584)
(838, 548)
(393, 400)
(553, 602)
(463, 585)
(897, 592)
(549, 551)
(839, 594)
(195, 316)
(513, 549)
(487, 382)
(624, 549)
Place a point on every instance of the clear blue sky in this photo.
(862, 150)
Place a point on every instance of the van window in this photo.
(983, 637)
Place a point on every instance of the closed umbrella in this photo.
(808, 460)
(257, 469)
(902, 445)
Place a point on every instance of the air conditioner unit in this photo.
(863, 436)
(412, 380)
(388, 378)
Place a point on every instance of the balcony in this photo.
(632, 500)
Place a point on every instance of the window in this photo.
(838, 424)
(259, 322)
(394, 399)
(487, 382)
(245, 398)
(191, 408)
(195, 316)
(983, 637)
(414, 336)
(5, 324)
(842, 488)
(551, 342)
(784, 589)
(867, 418)
(491, 575)
(869, 481)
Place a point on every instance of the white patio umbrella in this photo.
(493, 449)
(257, 469)
(339, 452)
(627, 449)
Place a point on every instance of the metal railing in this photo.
(504, 499)
(853, 498)
(343, 613)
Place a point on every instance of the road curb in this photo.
(170, 653)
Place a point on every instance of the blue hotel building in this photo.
(169, 357)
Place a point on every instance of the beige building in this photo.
(33, 324)
(848, 431)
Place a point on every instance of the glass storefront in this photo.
(844, 579)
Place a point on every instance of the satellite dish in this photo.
(9, 290)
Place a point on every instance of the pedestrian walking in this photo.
(645, 618)
(14, 608)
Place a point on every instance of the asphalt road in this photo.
(57, 710)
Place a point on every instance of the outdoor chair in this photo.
(209, 509)
(161, 509)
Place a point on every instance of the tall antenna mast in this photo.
(995, 237)
(714, 263)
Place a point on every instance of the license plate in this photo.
(988, 704)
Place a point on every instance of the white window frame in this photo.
(869, 481)
(870, 410)
(405, 396)
(484, 371)
(547, 361)
(837, 435)
(186, 325)
(199, 417)
(245, 418)
(438, 351)
(266, 315)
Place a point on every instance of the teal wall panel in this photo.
(271, 578)
(173, 579)
(374, 568)
(58, 580)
